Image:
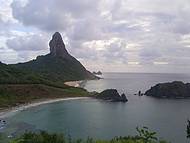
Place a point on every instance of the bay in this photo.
(105, 120)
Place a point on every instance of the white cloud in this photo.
(124, 33)
(160, 63)
(28, 43)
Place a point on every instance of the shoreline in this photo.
(77, 83)
(9, 112)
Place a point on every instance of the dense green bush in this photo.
(188, 129)
(144, 136)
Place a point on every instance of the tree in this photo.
(146, 135)
(188, 129)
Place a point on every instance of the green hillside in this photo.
(13, 75)
(56, 68)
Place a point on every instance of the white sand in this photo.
(74, 83)
(9, 112)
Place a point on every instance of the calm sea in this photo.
(104, 120)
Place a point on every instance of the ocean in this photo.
(105, 120)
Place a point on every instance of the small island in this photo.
(112, 95)
(97, 73)
(176, 89)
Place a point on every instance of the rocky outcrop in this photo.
(111, 95)
(176, 89)
(124, 98)
(57, 46)
(97, 73)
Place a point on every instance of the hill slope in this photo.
(12, 75)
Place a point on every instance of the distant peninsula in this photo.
(176, 89)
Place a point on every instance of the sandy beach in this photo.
(9, 112)
(75, 83)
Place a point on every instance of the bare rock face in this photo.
(57, 46)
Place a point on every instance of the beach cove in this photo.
(87, 117)
(9, 112)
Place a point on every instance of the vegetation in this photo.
(14, 95)
(175, 89)
(188, 129)
(21, 86)
(56, 68)
(13, 75)
(144, 136)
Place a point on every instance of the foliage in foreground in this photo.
(144, 136)
(188, 129)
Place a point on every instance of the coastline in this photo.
(77, 83)
(8, 112)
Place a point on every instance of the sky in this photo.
(107, 35)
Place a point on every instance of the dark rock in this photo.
(97, 73)
(124, 98)
(111, 95)
(57, 46)
(176, 89)
(140, 93)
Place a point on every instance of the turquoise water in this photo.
(98, 119)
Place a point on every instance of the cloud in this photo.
(117, 32)
(28, 43)
(25, 47)
(52, 15)
(7, 55)
(115, 51)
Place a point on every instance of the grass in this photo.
(15, 94)
(20, 86)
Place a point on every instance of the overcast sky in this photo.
(106, 35)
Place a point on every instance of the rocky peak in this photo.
(57, 46)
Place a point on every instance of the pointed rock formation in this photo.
(57, 46)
